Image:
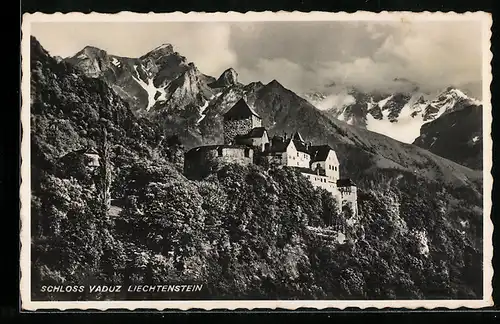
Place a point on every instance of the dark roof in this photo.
(319, 152)
(279, 145)
(309, 171)
(305, 170)
(296, 136)
(319, 170)
(300, 146)
(345, 183)
(256, 132)
(206, 148)
(240, 110)
(85, 150)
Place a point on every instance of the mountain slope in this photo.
(456, 136)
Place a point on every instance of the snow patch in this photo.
(82, 56)
(151, 90)
(475, 139)
(383, 102)
(459, 93)
(406, 129)
(115, 62)
(341, 116)
(202, 111)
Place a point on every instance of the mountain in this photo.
(190, 104)
(245, 232)
(399, 115)
(457, 135)
(160, 79)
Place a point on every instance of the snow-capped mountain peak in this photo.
(398, 115)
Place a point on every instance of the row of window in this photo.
(304, 155)
(247, 152)
(316, 178)
(332, 167)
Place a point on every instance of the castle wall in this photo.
(330, 165)
(258, 142)
(321, 182)
(236, 127)
(256, 121)
(349, 195)
(295, 158)
(325, 183)
(206, 160)
(236, 155)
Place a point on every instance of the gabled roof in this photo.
(85, 150)
(256, 132)
(297, 137)
(345, 183)
(319, 152)
(240, 110)
(300, 146)
(278, 145)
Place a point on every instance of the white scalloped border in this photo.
(403, 16)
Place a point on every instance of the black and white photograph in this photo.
(270, 160)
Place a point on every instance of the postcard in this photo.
(272, 160)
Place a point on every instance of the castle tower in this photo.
(239, 120)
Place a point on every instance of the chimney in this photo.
(284, 136)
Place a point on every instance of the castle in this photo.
(247, 142)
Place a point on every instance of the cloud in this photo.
(303, 56)
(369, 56)
(338, 100)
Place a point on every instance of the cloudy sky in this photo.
(303, 56)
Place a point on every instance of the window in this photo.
(219, 151)
(247, 152)
(297, 154)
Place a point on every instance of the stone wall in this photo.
(205, 161)
(256, 121)
(273, 159)
(243, 156)
(236, 127)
